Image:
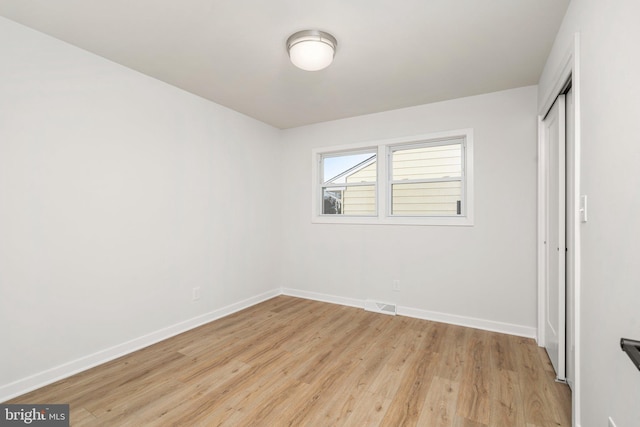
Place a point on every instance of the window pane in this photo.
(338, 169)
(426, 198)
(332, 201)
(355, 200)
(441, 161)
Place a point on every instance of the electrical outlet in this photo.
(611, 423)
(396, 285)
(196, 293)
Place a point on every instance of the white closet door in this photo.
(555, 316)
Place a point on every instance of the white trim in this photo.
(562, 257)
(568, 68)
(57, 373)
(382, 217)
(316, 296)
(563, 74)
(542, 229)
(577, 84)
(73, 367)
(470, 322)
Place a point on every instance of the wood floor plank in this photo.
(454, 350)
(350, 394)
(416, 380)
(473, 398)
(267, 410)
(533, 384)
(501, 357)
(440, 404)
(245, 400)
(80, 417)
(320, 391)
(465, 422)
(290, 361)
(338, 366)
(366, 409)
(135, 383)
(143, 408)
(505, 388)
(560, 412)
(505, 408)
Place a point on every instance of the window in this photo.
(424, 180)
(349, 183)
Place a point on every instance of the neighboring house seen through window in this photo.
(424, 180)
(349, 183)
(427, 179)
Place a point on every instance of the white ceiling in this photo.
(391, 54)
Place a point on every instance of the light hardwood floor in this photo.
(290, 362)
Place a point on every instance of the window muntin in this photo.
(426, 178)
(349, 182)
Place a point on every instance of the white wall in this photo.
(610, 113)
(485, 272)
(118, 195)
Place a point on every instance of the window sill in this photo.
(363, 220)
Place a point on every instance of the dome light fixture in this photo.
(311, 50)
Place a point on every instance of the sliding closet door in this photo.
(555, 312)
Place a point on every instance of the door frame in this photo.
(569, 71)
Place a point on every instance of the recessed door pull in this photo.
(632, 348)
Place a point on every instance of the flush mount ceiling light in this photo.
(311, 50)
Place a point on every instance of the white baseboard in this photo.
(52, 375)
(315, 296)
(470, 322)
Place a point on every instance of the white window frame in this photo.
(383, 149)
